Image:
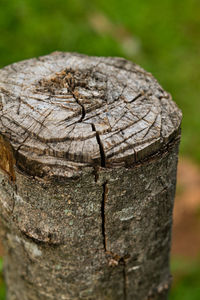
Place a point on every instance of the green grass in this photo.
(2, 286)
(186, 280)
(163, 37)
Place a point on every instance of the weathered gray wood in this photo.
(88, 149)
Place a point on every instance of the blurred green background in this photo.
(162, 36)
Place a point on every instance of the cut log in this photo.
(88, 156)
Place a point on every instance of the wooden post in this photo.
(88, 155)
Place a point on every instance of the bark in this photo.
(88, 150)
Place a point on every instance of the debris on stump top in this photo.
(66, 111)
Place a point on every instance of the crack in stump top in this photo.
(64, 111)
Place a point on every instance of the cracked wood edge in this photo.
(66, 111)
(53, 224)
(43, 215)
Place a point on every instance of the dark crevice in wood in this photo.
(71, 87)
(33, 239)
(83, 112)
(124, 278)
(135, 98)
(113, 259)
(101, 148)
(41, 240)
(96, 174)
(73, 94)
(85, 116)
(62, 79)
(103, 215)
(19, 106)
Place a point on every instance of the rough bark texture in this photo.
(88, 150)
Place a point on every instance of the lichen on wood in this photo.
(88, 212)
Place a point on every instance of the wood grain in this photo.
(88, 212)
(65, 111)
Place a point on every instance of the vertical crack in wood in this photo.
(124, 278)
(104, 187)
(82, 107)
(101, 148)
(96, 174)
(71, 88)
(103, 215)
(121, 259)
(115, 258)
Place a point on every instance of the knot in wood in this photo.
(66, 111)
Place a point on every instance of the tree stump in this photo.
(88, 156)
